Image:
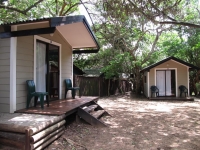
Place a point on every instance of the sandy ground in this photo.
(137, 124)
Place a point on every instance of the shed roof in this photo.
(74, 29)
(93, 72)
(77, 71)
(191, 66)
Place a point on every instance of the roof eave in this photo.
(85, 51)
(53, 22)
(167, 59)
(56, 21)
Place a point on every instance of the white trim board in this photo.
(179, 63)
(13, 76)
(188, 80)
(148, 85)
(13, 60)
(36, 37)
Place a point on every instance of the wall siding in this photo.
(151, 79)
(24, 68)
(5, 75)
(25, 64)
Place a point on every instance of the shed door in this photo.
(165, 81)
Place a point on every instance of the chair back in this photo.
(182, 88)
(154, 88)
(30, 86)
(68, 83)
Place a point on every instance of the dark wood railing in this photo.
(98, 86)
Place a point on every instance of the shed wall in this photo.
(182, 73)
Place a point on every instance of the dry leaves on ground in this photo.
(137, 124)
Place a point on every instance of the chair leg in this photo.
(73, 93)
(79, 93)
(47, 99)
(42, 101)
(28, 101)
(35, 101)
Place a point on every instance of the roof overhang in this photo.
(191, 66)
(74, 29)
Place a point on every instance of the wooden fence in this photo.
(98, 86)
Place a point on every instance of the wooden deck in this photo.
(59, 107)
(172, 98)
(36, 127)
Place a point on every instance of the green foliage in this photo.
(197, 87)
(184, 44)
(116, 65)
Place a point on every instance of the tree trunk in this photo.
(136, 82)
(108, 87)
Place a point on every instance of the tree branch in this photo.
(34, 5)
(24, 12)
(62, 9)
(173, 21)
(153, 46)
(13, 9)
(180, 23)
(88, 14)
(160, 12)
(68, 10)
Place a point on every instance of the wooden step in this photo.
(90, 108)
(88, 117)
(98, 113)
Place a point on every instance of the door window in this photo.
(41, 67)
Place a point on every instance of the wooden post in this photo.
(99, 87)
(108, 87)
(27, 139)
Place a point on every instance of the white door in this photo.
(160, 82)
(165, 81)
(168, 83)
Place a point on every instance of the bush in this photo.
(197, 87)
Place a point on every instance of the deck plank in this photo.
(59, 107)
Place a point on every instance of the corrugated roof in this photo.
(26, 21)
